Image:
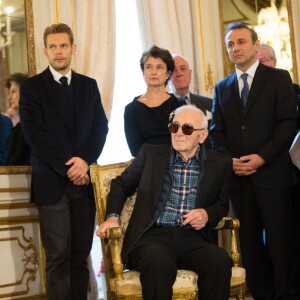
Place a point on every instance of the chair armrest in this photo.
(114, 235)
(232, 224)
(228, 223)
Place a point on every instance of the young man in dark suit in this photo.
(253, 121)
(182, 194)
(64, 123)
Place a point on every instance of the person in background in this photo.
(266, 55)
(146, 118)
(5, 128)
(18, 150)
(253, 122)
(182, 193)
(180, 84)
(64, 123)
(13, 114)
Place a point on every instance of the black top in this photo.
(148, 125)
(18, 150)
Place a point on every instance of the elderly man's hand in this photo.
(110, 222)
(197, 218)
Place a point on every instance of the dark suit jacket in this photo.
(204, 103)
(265, 127)
(47, 131)
(147, 172)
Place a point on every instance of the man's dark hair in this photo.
(161, 53)
(16, 77)
(241, 25)
(58, 28)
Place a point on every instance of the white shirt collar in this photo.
(251, 71)
(57, 75)
(188, 95)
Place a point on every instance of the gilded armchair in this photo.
(125, 284)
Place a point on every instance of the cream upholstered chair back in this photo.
(125, 284)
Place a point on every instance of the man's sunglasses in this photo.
(187, 129)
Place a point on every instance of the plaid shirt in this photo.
(182, 197)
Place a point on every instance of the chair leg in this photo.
(240, 296)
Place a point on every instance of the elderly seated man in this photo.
(182, 194)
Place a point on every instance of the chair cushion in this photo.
(186, 281)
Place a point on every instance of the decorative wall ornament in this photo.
(30, 38)
(16, 247)
(209, 79)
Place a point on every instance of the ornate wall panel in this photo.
(21, 275)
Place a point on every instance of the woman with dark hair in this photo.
(18, 150)
(146, 118)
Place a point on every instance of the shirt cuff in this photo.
(112, 215)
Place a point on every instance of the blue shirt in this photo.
(184, 187)
(5, 128)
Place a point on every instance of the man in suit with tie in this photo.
(180, 83)
(253, 121)
(64, 123)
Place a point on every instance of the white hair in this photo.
(174, 55)
(192, 107)
(270, 50)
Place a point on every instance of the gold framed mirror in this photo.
(30, 38)
(17, 53)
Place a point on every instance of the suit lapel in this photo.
(161, 161)
(205, 184)
(53, 92)
(80, 87)
(198, 104)
(80, 103)
(258, 82)
(233, 87)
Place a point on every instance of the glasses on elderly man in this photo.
(186, 128)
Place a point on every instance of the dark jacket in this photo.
(265, 127)
(47, 130)
(147, 173)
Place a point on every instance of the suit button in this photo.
(243, 127)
